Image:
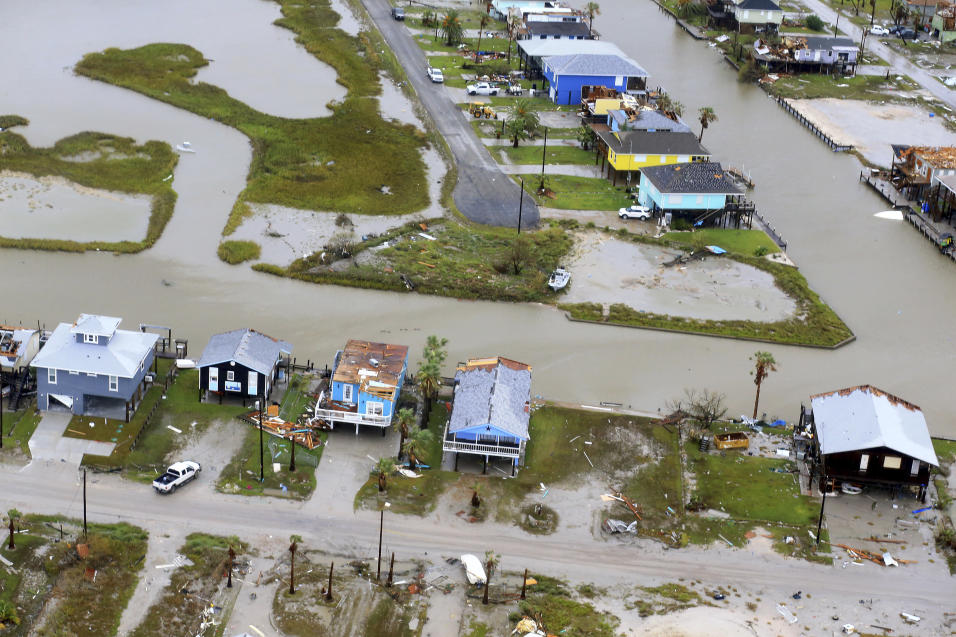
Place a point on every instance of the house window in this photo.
(864, 461)
(114, 383)
(254, 384)
(374, 408)
(663, 159)
(914, 468)
(618, 80)
(347, 394)
(89, 338)
(91, 374)
(892, 462)
(230, 375)
(675, 199)
(72, 373)
(640, 158)
(51, 376)
(700, 199)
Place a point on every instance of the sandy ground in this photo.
(56, 208)
(608, 270)
(872, 127)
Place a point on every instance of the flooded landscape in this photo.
(880, 277)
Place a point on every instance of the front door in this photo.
(213, 379)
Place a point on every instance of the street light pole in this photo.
(544, 152)
(381, 526)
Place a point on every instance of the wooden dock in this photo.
(834, 146)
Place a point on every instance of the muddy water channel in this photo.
(888, 284)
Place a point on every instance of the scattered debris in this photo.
(787, 615)
(618, 526)
(474, 571)
(910, 619)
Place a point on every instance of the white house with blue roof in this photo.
(242, 363)
(92, 368)
(491, 411)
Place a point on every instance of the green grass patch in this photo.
(533, 154)
(18, 428)
(178, 614)
(235, 252)
(9, 121)
(560, 614)
(859, 87)
(465, 261)
(945, 450)
(578, 193)
(338, 162)
(97, 160)
(656, 484)
(744, 242)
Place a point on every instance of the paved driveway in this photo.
(483, 194)
(48, 442)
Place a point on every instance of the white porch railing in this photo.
(484, 450)
(333, 416)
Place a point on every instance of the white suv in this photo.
(435, 75)
(635, 212)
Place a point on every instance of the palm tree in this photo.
(13, 515)
(451, 28)
(417, 446)
(482, 23)
(295, 539)
(764, 363)
(707, 116)
(592, 9)
(383, 467)
(476, 495)
(435, 349)
(491, 561)
(429, 379)
(522, 121)
(669, 107)
(403, 422)
(513, 22)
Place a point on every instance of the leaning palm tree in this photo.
(764, 363)
(429, 379)
(295, 539)
(707, 116)
(417, 446)
(383, 467)
(482, 23)
(592, 9)
(491, 561)
(403, 422)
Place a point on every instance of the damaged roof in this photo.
(938, 156)
(492, 391)
(249, 348)
(864, 417)
(377, 368)
(13, 344)
(702, 177)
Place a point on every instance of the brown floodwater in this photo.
(879, 275)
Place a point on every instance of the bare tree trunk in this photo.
(292, 576)
(328, 593)
(756, 401)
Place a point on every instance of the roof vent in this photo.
(373, 362)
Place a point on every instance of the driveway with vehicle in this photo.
(484, 193)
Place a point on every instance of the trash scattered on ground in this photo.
(618, 526)
(787, 615)
(910, 619)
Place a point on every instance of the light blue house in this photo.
(692, 188)
(92, 368)
(567, 75)
(652, 121)
(367, 380)
(491, 411)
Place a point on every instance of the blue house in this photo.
(242, 363)
(568, 74)
(92, 368)
(491, 410)
(693, 188)
(367, 380)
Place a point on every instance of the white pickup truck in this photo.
(482, 88)
(176, 476)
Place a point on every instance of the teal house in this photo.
(689, 189)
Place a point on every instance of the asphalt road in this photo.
(327, 521)
(483, 194)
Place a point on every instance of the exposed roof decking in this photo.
(864, 417)
(249, 348)
(381, 378)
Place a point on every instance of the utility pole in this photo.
(1, 416)
(822, 504)
(520, 204)
(391, 571)
(381, 526)
(262, 465)
(232, 557)
(544, 152)
(85, 530)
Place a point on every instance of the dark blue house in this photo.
(92, 368)
(567, 75)
(491, 410)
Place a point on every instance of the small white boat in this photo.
(559, 279)
(185, 147)
(850, 489)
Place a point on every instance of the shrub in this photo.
(750, 72)
(760, 251)
(681, 224)
(814, 23)
(235, 252)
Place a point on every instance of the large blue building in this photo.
(92, 368)
(567, 75)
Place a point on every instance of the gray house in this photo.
(828, 51)
(92, 368)
(491, 411)
(241, 363)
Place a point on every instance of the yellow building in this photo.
(629, 151)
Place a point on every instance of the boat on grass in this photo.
(559, 279)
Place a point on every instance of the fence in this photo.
(834, 146)
(771, 231)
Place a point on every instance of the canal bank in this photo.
(811, 196)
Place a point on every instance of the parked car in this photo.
(635, 212)
(176, 476)
(907, 34)
(435, 75)
(879, 30)
(398, 13)
(896, 28)
(482, 88)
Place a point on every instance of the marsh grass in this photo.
(338, 162)
(235, 252)
(101, 161)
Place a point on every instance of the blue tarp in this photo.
(778, 423)
(716, 249)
